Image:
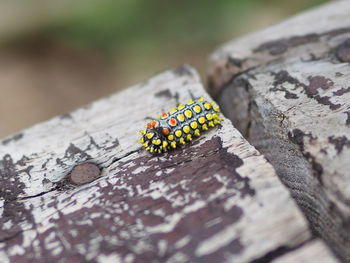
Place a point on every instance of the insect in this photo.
(179, 125)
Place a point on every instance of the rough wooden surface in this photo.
(287, 89)
(216, 200)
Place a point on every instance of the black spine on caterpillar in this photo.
(179, 125)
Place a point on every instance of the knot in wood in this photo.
(84, 173)
(343, 51)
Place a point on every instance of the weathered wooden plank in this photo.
(314, 251)
(287, 90)
(216, 200)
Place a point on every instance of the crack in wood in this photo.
(278, 47)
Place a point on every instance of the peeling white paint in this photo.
(112, 258)
(7, 225)
(217, 241)
(1, 206)
(141, 169)
(16, 250)
(182, 242)
(4, 257)
(162, 247)
(169, 170)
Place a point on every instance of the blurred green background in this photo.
(58, 55)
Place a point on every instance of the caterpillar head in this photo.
(153, 138)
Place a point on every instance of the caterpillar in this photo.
(179, 125)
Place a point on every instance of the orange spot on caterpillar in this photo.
(172, 122)
(152, 124)
(166, 131)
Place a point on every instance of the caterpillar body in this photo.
(179, 125)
